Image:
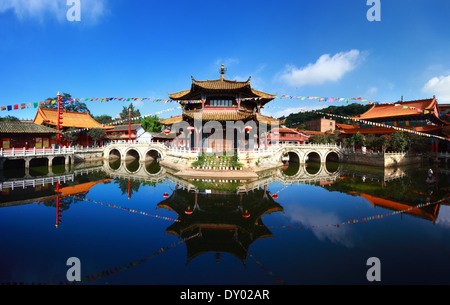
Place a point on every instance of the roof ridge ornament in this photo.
(223, 70)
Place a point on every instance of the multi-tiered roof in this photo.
(244, 102)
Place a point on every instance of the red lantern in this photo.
(246, 214)
(248, 128)
(188, 211)
(166, 195)
(167, 131)
(275, 196)
(190, 129)
(276, 133)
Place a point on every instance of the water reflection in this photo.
(231, 217)
(391, 188)
(226, 221)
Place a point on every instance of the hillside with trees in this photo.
(348, 110)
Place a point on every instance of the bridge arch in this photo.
(114, 153)
(132, 153)
(313, 155)
(131, 170)
(290, 156)
(114, 165)
(153, 154)
(334, 155)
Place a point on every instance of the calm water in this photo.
(117, 220)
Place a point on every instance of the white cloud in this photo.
(327, 68)
(91, 10)
(439, 86)
(371, 91)
(444, 216)
(227, 62)
(284, 112)
(315, 217)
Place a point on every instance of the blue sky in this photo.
(144, 48)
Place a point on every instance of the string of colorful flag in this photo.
(134, 99)
(380, 125)
(121, 121)
(365, 219)
(22, 106)
(110, 205)
(115, 270)
(260, 264)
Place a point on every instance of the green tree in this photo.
(385, 142)
(124, 115)
(151, 124)
(103, 119)
(348, 111)
(359, 139)
(96, 134)
(417, 143)
(9, 118)
(72, 135)
(399, 141)
(75, 106)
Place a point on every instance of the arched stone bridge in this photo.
(142, 151)
(275, 154)
(298, 153)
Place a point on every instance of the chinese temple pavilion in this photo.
(222, 100)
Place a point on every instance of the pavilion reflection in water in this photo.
(227, 222)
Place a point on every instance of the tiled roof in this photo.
(312, 132)
(172, 120)
(386, 130)
(219, 85)
(398, 206)
(267, 119)
(379, 111)
(124, 127)
(219, 115)
(22, 127)
(162, 135)
(69, 119)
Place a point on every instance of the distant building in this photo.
(287, 136)
(26, 135)
(121, 132)
(69, 119)
(322, 125)
(419, 115)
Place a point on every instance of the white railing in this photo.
(23, 152)
(35, 182)
(30, 152)
(444, 155)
